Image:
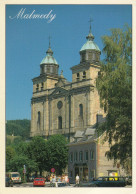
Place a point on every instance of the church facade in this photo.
(62, 107)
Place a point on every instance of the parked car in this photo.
(9, 182)
(39, 182)
(109, 182)
(14, 176)
(60, 184)
(105, 182)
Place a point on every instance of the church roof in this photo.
(90, 44)
(49, 59)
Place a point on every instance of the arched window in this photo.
(42, 85)
(37, 87)
(59, 122)
(55, 70)
(48, 69)
(39, 117)
(84, 74)
(83, 57)
(45, 69)
(78, 76)
(81, 110)
(51, 69)
(94, 57)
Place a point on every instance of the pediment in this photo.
(58, 91)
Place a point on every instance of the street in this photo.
(30, 184)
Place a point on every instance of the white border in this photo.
(13, 190)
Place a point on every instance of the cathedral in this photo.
(62, 107)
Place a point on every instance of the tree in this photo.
(17, 156)
(18, 128)
(22, 148)
(10, 153)
(57, 153)
(114, 84)
(17, 164)
(37, 151)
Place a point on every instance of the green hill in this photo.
(18, 128)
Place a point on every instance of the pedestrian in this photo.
(63, 178)
(77, 179)
(59, 178)
(53, 179)
(48, 178)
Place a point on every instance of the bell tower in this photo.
(48, 73)
(90, 52)
(89, 60)
(49, 65)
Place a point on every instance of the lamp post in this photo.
(24, 172)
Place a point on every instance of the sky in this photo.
(27, 41)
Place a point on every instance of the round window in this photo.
(59, 105)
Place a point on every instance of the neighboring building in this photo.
(87, 157)
(62, 107)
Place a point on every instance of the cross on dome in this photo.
(49, 51)
(49, 41)
(91, 20)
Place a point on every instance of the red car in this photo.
(39, 182)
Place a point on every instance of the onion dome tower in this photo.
(89, 61)
(90, 52)
(49, 64)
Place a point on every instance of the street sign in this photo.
(53, 170)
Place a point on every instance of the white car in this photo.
(60, 184)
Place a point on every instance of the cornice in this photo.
(61, 92)
(46, 76)
(86, 65)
